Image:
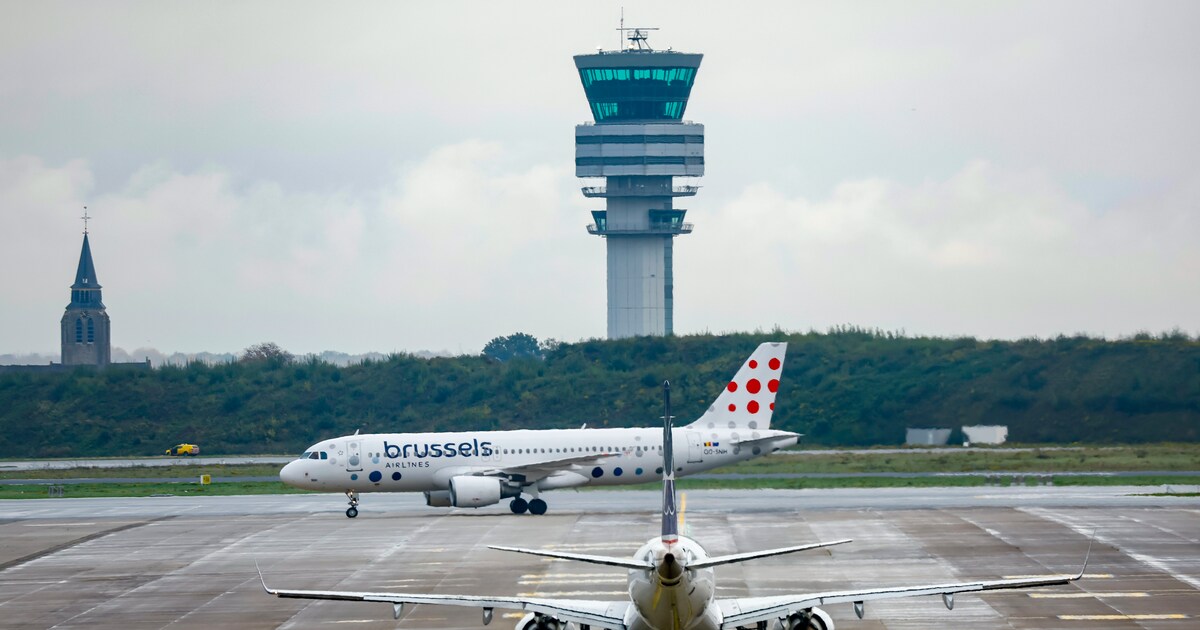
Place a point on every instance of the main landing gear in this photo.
(352, 511)
(537, 507)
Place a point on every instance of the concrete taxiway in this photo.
(189, 562)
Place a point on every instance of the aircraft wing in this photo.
(597, 614)
(537, 470)
(745, 611)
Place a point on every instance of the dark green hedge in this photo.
(847, 387)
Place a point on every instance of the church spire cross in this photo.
(85, 218)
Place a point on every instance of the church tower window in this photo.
(79, 331)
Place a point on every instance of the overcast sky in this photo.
(398, 176)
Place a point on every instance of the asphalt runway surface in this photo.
(189, 562)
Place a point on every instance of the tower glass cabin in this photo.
(639, 143)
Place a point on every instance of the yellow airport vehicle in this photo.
(184, 449)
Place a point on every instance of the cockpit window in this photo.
(305, 455)
(314, 455)
(324, 455)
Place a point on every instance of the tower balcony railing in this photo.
(676, 191)
(656, 229)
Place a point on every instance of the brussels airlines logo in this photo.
(474, 448)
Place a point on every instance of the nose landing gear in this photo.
(352, 511)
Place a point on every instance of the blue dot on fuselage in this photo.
(617, 471)
(597, 472)
(395, 476)
(353, 476)
(376, 476)
(638, 471)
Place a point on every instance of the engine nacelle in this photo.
(437, 498)
(811, 619)
(470, 491)
(534, 621)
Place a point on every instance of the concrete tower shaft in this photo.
(639, 144)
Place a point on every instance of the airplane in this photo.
(481, 468)
(671, 586)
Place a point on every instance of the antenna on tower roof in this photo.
(637, 35)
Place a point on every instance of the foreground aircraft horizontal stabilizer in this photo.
(624, 563)
(765, 553)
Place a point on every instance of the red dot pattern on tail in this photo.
(750, 394)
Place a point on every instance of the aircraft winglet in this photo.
(1087, 556)
(261, 578)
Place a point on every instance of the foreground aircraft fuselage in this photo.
(480, 468)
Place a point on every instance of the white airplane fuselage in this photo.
(424, 462)
(681, 599)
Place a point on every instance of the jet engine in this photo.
(811, 619)
(470, 491)
(534, 621)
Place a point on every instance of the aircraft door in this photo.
(354, 454)
(695, 448)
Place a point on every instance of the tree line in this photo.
(848, 386)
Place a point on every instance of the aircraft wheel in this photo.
(518, 505)
(351, 512)
(537, 507)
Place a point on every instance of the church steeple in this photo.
(85, 293)
(85, 325)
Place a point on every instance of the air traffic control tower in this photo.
(639, 143)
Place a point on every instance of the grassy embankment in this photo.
(965, 468)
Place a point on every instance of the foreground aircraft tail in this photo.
(748, 400)
(670, 518)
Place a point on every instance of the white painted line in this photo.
(608, 580)
(1086, 576)
(1084, 595)
(1122, 617)
(571, 593)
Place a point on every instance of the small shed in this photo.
(926, 437)
(985, 434)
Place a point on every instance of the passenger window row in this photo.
(593, 449)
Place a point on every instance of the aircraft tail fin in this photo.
(670, 518)
(748, 401)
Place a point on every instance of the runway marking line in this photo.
(1088, 576)
(608, 580)
(1122, 617)
(1083, 595)
(538, 576)
(570, 593)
